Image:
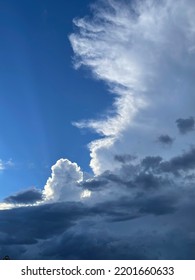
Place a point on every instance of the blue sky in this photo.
(97, 152)
(40, 92)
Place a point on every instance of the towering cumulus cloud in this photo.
(144, 51)
(61, 186)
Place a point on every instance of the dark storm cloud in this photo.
(184, 162)
(141, 247)
(110, 177)
(26, 225)
(160, 205)
(94, 183)
(52, 231)
(185, 125)
(165, 139)
(124, 158)
(145, 175)
(148, 180)
(92, 246)
(139, 207)
(76, 231)
(126, 208)
(151, 162)
(25, 197)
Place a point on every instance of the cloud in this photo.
(151, 162)
(5, 164)
(138, 48)
(62, 185)
(185, 125)
(183, 162)
(26, 225)
(145, 180)
(165, 139)
(94, 183)
(124, 158)
(141, 205)
(29, 196)
(141, 202)
(141, 209)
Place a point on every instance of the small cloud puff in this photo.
(6, 164)
(165, 139)
(185, 125)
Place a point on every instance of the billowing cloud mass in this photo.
(61, 186)
(139, 201)
(144, 51)
(142, 211)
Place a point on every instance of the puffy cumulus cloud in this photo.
(62, 185)
(144, 51)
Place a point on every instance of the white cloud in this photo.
(5, 206)
(2, 166)
(6, 164)
(143, 50)
(62, 185)
(85, 194)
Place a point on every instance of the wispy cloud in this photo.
(6, 164)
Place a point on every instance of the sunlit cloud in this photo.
(142, 50)
(62, 185)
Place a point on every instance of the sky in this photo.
(97, 153)
(40, 92)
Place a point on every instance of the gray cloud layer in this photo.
(151, 205)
